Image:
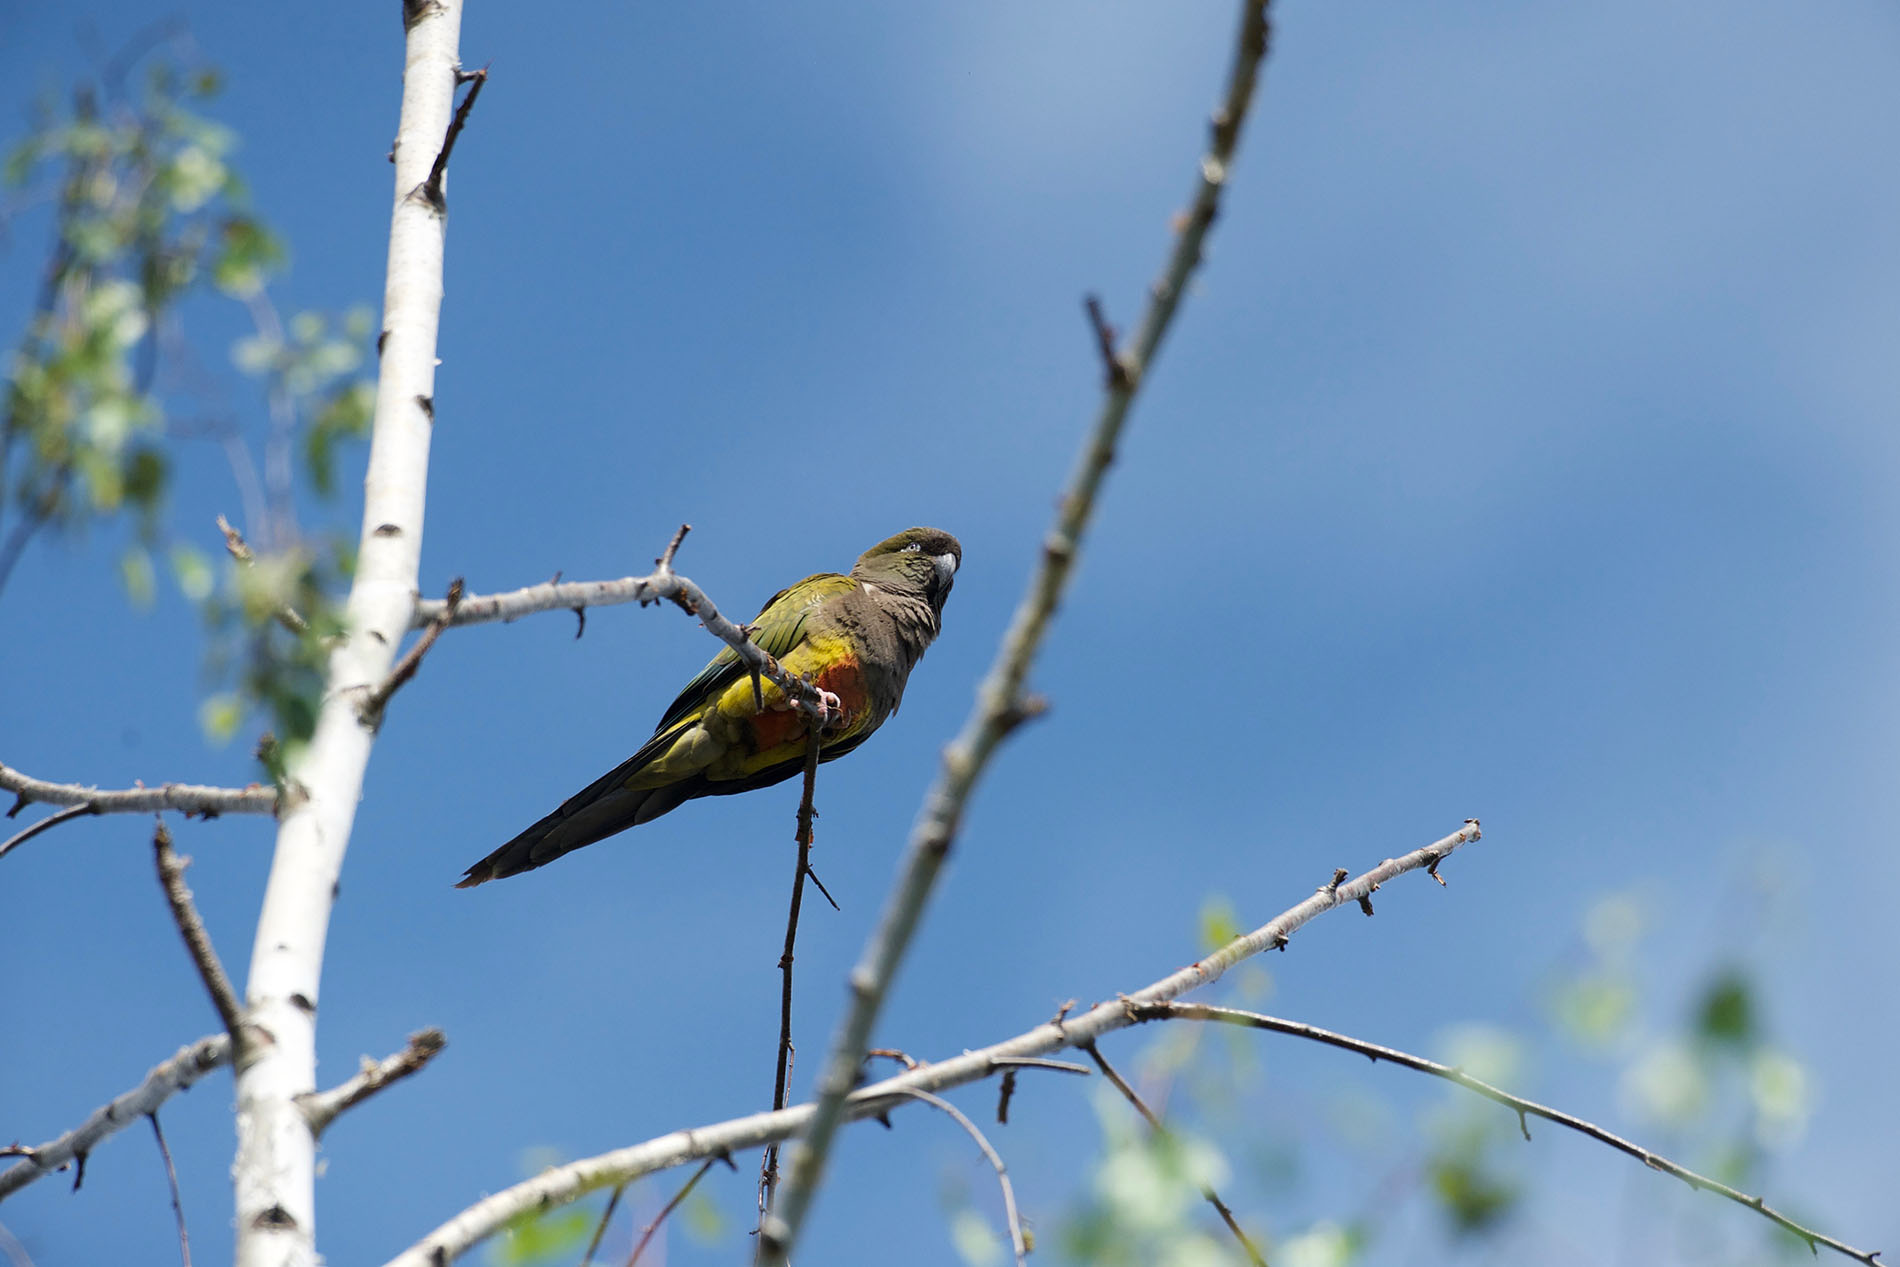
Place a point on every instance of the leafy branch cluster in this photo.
(148, 211)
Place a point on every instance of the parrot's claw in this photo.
(830, 709)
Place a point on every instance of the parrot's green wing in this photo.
(779, 626)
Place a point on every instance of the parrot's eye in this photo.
(912, 548)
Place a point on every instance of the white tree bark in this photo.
(275, 1172)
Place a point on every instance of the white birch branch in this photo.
(188, 798)
(1001, 704)
(663, 584)
(174, 1075)
(275, 1170)
(321, 1107)
(574, 1180)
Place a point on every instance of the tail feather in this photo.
(563, 831)
(597, 811)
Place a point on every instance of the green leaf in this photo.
(1219, 923)
(220, 716)
(20, 161)
(1668, 1084)
(1725, 1015)
(248, 252)
(193, 178)
(144, 479)
(192, 568)
(346, 415)
(136, 571)
(1474, 1199)
(256, 354)
(975, 1240)
(1597, 1009)
(538, 1237)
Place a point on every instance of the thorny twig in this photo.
(768, 1166)
(663, 584)
(1524, 1109)
(1000, 708)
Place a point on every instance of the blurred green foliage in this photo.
(1701, 1081)
(147, 211)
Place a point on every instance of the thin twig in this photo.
(1517, 1104)
(240, 549)
(663, 584)
(1212, 1197)
(996, 1160)
(1000, 705)
(768, 1165)
(187, 798)
(373, 705)
(431, 189)
(600, 1228)
(1114, 371)
(186, 1067)
(646, 1233)
(19, 838)
(569, 1182)
(171, 877)
(1039, 1062)
(171, 1177)
(320, 1108)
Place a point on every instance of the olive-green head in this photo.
(922, 561)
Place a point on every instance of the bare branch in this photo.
(174, 1075)
(371, 709)
(1154, 1123)
(1517, 1104)
(768, 1166)
(600, 1228)
(171, 877)
(431, 189)
(171, 1177)
(1000, 703)
(565, 1183)
(320, 1108)
(646, 1233)
(1039, 1062)
(19, 838)
(663, 584)
(1002, 1174)
(187, 798)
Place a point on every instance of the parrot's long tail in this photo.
(596, 812)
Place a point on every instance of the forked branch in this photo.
(165, 1080)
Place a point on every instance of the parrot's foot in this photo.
(831, 710)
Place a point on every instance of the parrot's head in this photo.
(921, 561)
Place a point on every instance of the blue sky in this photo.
(1526, 450)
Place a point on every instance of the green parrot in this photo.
(857, 636)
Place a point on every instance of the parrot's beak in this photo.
(946, 565)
